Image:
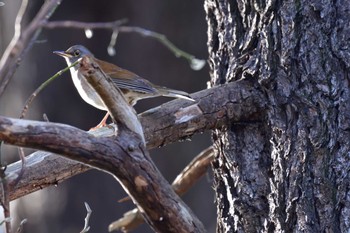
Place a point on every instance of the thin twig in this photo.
(164, 210)
(162, 39)
(42, 86)
(82, 25)
(195, 63)
(24, 112)
(193, 171)
(112, 42)
(17, 32)
(5, 220)
(116, 27)
(21, 44)
(20, 227)
(45, 117)
(87, 218)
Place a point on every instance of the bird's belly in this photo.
(87, 93)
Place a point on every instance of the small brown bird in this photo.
(133, 86)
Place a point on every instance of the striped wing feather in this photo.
(131, 82)
(125, 79)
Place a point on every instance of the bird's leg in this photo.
(102, 123)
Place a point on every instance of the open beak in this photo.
(62, 53)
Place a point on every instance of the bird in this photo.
(133, 87)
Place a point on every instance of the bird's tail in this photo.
(163, 91)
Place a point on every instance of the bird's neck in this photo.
(73, 70)
(69, 63)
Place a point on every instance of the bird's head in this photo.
(74, 53)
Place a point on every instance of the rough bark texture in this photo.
(290, 171)
(124, 156)
(166, 124)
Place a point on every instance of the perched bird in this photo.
(133, 86)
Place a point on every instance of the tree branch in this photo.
(121, 112)
(22, 42)
(125, 157)
(182, 183)
(168, 123)
(84, 25)
(116, 27)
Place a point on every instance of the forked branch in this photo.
(125, 156)
(183, 182)
(171, 122)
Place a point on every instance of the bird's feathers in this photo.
(125, 79)
(128, 81)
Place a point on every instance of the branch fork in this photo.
(124, 156)
(161, 207)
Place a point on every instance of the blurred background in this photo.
(61, 208)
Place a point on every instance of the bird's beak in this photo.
(62, 53)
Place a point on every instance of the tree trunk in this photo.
(288, 171)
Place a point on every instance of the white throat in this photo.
(86, 92)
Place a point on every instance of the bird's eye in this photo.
(77, 53)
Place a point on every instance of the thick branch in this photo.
(138, 175)
(168, 123)
(182, 183)
(123, 157)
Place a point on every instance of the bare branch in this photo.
(195, 63)
(87, 218)
(5, 220)
(82, 25)
(130, 220)
(122, 157)
(5, 201)
(116, 27)
(182, 183)
(21, 44)
(145, 177)
(42, 86)
(125, 157)
(17, 33)
(20, 227)
(193, 171)
(24, 111)
(168, 123)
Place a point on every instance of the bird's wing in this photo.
(125, 79)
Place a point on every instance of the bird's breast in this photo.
(87, 93)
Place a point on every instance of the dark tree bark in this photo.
(289, 171)
(284, 168)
